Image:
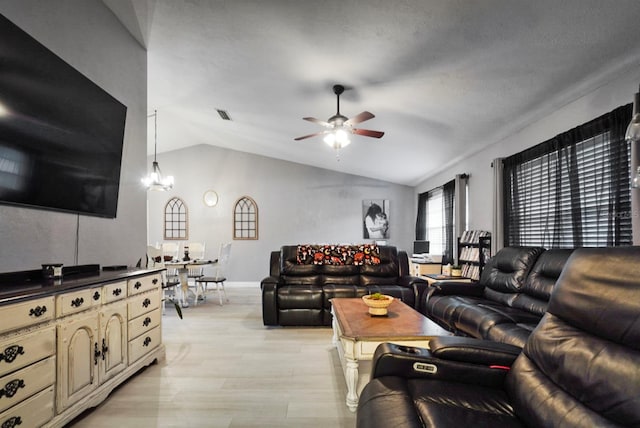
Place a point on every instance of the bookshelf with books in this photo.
(474, 249)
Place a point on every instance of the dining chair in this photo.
(219, 277)
(171, 249)
(196, 252)
(155, 259)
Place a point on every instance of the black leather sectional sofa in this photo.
(298, 294)
(508, 301)
(579, 368)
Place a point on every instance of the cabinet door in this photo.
(78, 354)
(113, 338)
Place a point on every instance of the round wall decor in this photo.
(210, 198)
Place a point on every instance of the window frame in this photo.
(176, 207)
(245, 219)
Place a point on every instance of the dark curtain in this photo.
(421, 220)
(448, 195)
(572, 190)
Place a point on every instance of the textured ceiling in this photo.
(444, 78)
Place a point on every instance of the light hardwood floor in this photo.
(225, 369)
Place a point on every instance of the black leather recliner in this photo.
(579, 368)
(299, 294)
(508, 301)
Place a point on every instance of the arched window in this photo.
(175, 220)
(245, 219)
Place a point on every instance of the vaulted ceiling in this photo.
(444, 78)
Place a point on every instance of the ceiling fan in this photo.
(339, 126)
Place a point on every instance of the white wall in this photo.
(88, 36)
(297, 204)
(604, 99)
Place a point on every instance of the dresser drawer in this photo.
(143, 303)
(29, 313)
(144, 323)
(20, 351)
(143, 344)
(77, 301)
(114, 291)
(27, 381)
(143, 283)
(33, 412)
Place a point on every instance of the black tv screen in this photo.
(61, 135)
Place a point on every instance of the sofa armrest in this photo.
(472, 350)
(269, 287)
(444, 288)
(412, 362)
(410, 281)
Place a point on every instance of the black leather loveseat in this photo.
(508, 301)
(297, 292)
(579, 368)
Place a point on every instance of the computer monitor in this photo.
(420, 247)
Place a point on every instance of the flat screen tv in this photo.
(61, 135)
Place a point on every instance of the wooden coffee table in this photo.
(357, 334)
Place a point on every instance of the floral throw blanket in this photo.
(338, 255)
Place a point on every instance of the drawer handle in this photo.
(96, 296)
(147, 341)
(105, 349)
(77, 302)
(11, 388)
(117, 292)
(137, 285)
(146, 322)
(37, 311)
(11, 353)
(12, 422)
(155, 281)
(146, 303)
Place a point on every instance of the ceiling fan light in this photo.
(330, 139)
(337, 139)
(342, 137)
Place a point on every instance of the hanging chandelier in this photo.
(155, 180)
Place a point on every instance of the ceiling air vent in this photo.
(223, 114)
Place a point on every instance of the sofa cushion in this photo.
(443, 309)
(507, 270)
(478, 319)
(300, 297)
(331, 291)
(541, 280)
(513, 334)
(417, 403)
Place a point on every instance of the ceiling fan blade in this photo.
(318, 121)
(368, 133)
(310, 135)
(365, 115)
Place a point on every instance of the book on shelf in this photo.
(473, 236)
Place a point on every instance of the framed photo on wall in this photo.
(375, 219)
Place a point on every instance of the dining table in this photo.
(182, 267)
